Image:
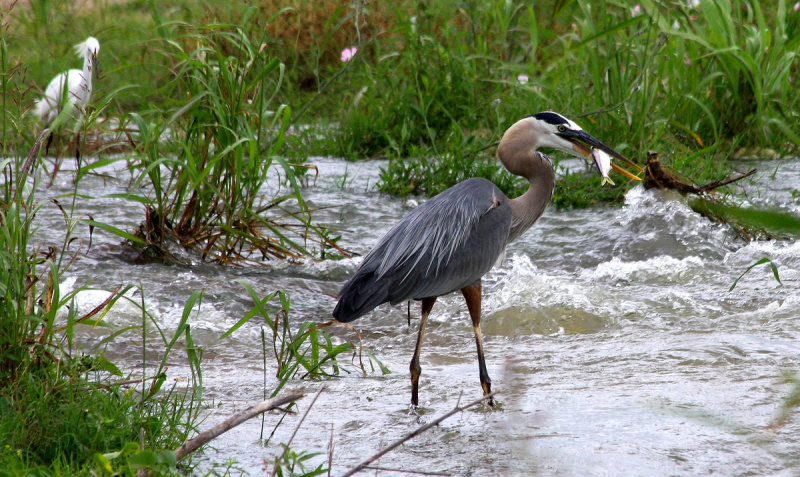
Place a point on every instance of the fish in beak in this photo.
(586, 145)
(603, 162)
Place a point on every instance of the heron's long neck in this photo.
(527, 208)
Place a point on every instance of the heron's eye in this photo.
(561, 128)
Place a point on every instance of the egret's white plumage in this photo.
(72, 87)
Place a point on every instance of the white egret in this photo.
(69, 93)
(72, 87)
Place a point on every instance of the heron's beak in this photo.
(583, 144)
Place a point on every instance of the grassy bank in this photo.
(191, 162)
(205, 99)
(434, 84)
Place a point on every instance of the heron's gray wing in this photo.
(445, 244)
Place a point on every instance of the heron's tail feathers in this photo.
(360, 295)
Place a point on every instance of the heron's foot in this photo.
(487, 390)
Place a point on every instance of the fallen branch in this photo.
(414, 433)
(297, 428)
(657, 176)
(402, 471)
(206, 436)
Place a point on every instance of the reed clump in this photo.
(219, 105)
(699, 82)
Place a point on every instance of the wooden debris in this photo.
(658, 176)
(195, 443)
(748, 222)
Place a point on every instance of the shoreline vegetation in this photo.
(432, 85)
(200, 100)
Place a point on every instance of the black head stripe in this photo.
(551, 117)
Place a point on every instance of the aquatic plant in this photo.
(792, 400)
(60, 405)
(226, 137)
(308, 348)
(764, 260)
(749, 222)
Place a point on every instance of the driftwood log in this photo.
(748, 222)
(659, 177)
(195, 443)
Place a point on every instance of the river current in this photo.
(611, 337)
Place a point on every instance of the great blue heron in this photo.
(71, 90)
(449, 242)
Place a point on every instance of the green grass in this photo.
(206, 178)
(694, 84)
(697, 83)
(59, 407)
(211, 98)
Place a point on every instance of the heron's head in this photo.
(89, 49)
(553, 130)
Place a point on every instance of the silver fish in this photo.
(603, 162)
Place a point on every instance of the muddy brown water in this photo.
(610, 334)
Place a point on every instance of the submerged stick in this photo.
(297, 428)
(206, 436)
(658, 176)
(414, 433)
(402, 471)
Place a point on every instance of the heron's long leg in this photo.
(472, 295)
(427, 305)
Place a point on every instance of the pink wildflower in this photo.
(636, 10)
(348, 54)
(523, 79)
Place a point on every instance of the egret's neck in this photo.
(88, 66)
(538, 169)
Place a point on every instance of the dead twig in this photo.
(732, 178)
(658, 176)
(206, 436)
(414, 433)
(401, 471)
(297, 428)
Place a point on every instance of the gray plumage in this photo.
(449, 242)
(433, 250)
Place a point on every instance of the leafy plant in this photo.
(210, 197)
(131, 460)
(760, 262)
(308, 349)
(749, 222)
(749, 60)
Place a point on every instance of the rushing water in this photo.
(610, 335)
